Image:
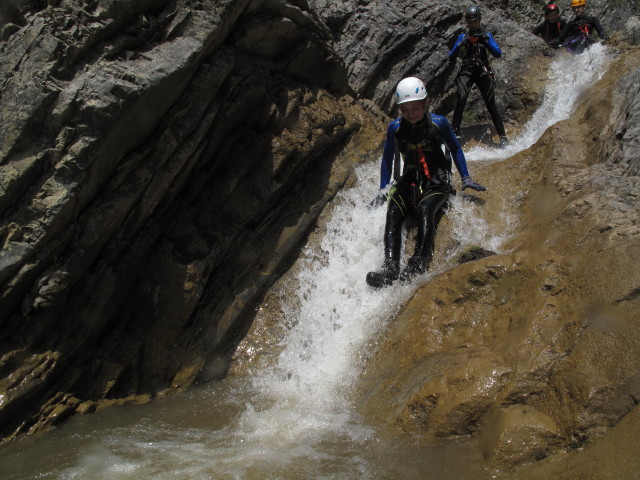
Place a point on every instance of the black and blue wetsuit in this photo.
(474, 48)
(414, 159)
(549, 31)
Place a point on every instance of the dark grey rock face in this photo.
(384, 41)
(160, 163)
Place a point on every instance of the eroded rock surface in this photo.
(161, 163)
(544, 337)
(383, 42)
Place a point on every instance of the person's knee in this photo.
(431, 204)
(427, 210)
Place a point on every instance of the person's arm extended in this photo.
(598, 28)
(454, 147)
(452, 144)
(492, 45)
(538, 30)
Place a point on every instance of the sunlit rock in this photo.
(518, 434)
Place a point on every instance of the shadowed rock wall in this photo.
(384, 41)
(161, 162)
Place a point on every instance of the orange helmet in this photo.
(578, 3)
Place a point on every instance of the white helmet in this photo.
(410, 89)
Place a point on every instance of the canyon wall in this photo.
(162, 163)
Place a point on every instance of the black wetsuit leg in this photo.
(428, 214)
(487, 87)
(464, 82)
(397, 212)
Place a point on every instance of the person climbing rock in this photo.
(576, 35)
(421, 189)
(550, 29)
(473, 48)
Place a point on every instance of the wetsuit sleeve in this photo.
(452, 144)
(598, 28)
(538, 30)
(565, 32)
(388, 155)
(492, 46)
(453, 54)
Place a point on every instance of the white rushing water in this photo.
(569, 76)
(296, 420)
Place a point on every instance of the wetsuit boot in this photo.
(386, 275)
(504, 141)
(416, 265)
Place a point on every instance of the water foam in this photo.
(308, 390)
(569, 76)
(296, 419)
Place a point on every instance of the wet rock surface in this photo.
(163, 162)
(383, 42)
(546, 334)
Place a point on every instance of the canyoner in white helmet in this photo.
(410, 89)
(419, 173)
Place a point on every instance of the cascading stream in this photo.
(296, 420)
(569, 76)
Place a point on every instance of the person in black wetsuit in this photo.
(550, 29)
(474, 48)
(421, 189)
(577, 33)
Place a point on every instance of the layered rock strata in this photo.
(160, 164)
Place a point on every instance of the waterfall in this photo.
(295, 419)
(568, 77)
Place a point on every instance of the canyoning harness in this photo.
(580, 38)
(474, 48)
(583, 27)
(578, 43)
(474, 54)
(419, 163)
(579, 31)
(420, 146)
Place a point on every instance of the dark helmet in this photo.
(551, 7)
(472, 12)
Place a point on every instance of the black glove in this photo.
(555, 43)
(467, 182)
(381, 199)
(604, 37)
